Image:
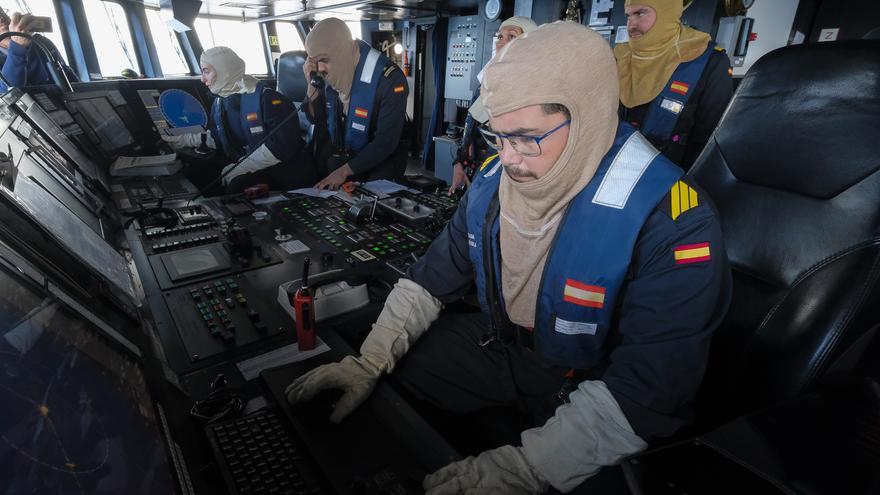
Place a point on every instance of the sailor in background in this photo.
(360, 114)
(674, 82)
(23, 63)
(471, 153)
(252, 124)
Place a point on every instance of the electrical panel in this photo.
(464, 56)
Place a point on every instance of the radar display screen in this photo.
(76, 414)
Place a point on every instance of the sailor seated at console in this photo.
(252, 124)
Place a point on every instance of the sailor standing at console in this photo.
(360, 120)
(243, 122)
(674, 82)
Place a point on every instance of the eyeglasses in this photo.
(521, 143)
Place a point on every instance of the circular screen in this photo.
(182, 109)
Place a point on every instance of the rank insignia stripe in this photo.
(487, 161)
(682, 198)
(692, 253)
(399, 89)
(679, 87)
(591, 296)
(361, 112)
(276, 102)
(251, 117)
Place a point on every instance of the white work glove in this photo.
(258, 160)
(187, 141)
(502, 471)
(408, 312)
(582, 436)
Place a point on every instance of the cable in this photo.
(223, 402)
(242, 159)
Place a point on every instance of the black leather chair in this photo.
(291, 81)
(794, 170)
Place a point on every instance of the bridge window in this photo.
(109, 29)
(243, 38)
(44, 8)
(288, 37)
(167, 46)
(355, 27)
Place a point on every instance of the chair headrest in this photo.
(291, 81)
(823, 99)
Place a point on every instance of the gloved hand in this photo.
(504, 470)
(407, 313)
(258, 160)
(187, 141)
(459, 178)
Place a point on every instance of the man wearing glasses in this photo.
(674, 83)
(601, 275)
(24, 64)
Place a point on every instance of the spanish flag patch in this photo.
(679, 87)
(692, 253)
(360, 112)
(399, 89)
(682, 198)
(591, 296)
(252, 117)
(276, 102)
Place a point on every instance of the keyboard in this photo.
(256, 456)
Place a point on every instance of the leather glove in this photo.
(187, 141)
(258, 160)
(407, 313)
(504, 470)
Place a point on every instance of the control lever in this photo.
(203, 147)
(303, 306)
(240, 242)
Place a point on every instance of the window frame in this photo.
(264, 42)
(132, 35)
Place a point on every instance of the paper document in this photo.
(145, 165)
(269, 199)
(251, 368)
(315, 193)
(385, 187)
(179, 131)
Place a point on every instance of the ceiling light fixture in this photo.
(307, 12)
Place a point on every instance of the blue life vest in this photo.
(590, 256)
(663, 114)
(361, 102)
(251, 115)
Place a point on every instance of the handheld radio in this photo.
(304, 308)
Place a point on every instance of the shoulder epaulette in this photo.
(719, 49)
(680, 199)
(389, 70)
(487, 161)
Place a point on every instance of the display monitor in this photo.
(76, 414)
(100, 112)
